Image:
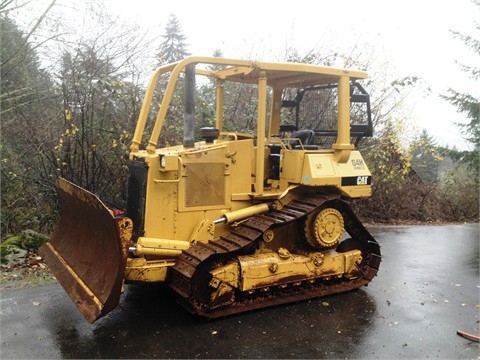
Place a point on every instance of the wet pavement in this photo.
(427, 288)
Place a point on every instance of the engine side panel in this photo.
(320, 168)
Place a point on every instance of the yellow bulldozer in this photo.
(231, 220)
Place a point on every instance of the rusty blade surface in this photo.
(88, 251)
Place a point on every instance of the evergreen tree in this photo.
(425, 157)
(173, 48)
(469, 105)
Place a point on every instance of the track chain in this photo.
(186, 275)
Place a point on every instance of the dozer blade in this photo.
(88, 251)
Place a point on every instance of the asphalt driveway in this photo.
(427, 288)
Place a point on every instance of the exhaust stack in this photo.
(189, 115)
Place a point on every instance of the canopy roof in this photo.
(283, 74)
(287, 74)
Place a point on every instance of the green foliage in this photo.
(391, 171)
(452, 189)
(414, 183)
(459, 199)
(173, 48)
(425, 157)
(77, 120)
(96, 124)
(469, 105)
(28, 105)
(77, 124)
(25, 241)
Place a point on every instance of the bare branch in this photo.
(25, 42)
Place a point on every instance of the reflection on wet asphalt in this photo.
(426, 289)
(150, 324)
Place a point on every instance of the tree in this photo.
(28, 109)
(389, 164)
(469, 105)
(425, 157)
(458, 192)
(97, 105)
(73, 119)
(173, 48)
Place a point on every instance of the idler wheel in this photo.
(350, 244)
(324, 228)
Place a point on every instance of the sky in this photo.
(412, 36)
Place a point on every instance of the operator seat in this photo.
(306, 137)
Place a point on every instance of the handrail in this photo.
(197, 150)
(179, 170)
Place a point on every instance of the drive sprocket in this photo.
(324, 228)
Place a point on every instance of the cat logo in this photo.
(356, 180)
(362, 180)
